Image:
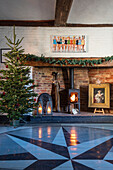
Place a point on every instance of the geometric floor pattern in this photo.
(57, 147)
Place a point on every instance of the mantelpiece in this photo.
(43, 64)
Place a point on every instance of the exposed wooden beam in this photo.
(44, 23)
(62, 11)
(89, 25)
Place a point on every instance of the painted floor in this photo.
(57, 147)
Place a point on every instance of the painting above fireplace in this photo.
(68, 43)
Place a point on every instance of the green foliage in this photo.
(17, 89)
(31, 57)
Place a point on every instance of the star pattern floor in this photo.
(57, 147)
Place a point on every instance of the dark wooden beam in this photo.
(62, 11)
(89, 25)
(44, 23)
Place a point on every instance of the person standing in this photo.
(74, 43)
(83, 43)
(65, 43)
(79, 44)
(68, 43)
(54, 43)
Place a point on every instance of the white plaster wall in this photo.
(37, 40)
(91, 12)
(27, 9)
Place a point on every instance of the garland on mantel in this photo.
(51, 60)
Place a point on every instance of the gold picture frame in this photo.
(99, 95)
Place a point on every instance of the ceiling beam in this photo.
(62, 11)
(88, 25)
(46, 23)
(32, 23)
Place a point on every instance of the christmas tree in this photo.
(17, 95)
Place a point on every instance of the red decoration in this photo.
(6, 66)
(18, 104)
(4, 93)
(35, 100)
(21, 80)
(6, 77)
(18, 58)
(0, 77)
(32, 87)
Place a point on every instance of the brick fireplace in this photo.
(82, 77)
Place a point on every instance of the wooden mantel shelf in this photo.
(43, 64)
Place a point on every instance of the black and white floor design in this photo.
(57, 147)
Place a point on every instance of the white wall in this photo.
(37, 40)
(91, 12)
(27, 9)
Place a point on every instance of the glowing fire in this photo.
(49, 110)
(40, 109)
(74, 97)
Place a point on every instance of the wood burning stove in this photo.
(70, 96)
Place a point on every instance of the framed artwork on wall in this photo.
(2, 52)
(69, 43)
(99, 95)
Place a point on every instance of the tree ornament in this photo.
(18, 104)
(4, 93)
(21, 80)
(18, 58)
(6, 66)
(35, 99)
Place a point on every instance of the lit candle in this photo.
(49, 110)
(40, 109)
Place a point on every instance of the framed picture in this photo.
(99, 95)
(3, 51)
(69, 43)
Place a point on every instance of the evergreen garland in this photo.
(51, 60)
